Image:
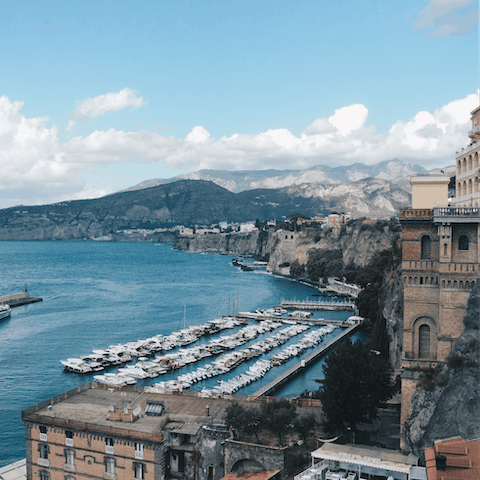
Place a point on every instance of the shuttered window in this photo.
(426, 248)
(424, 341)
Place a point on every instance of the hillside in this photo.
(194, 202)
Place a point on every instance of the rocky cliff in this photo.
(447, 402)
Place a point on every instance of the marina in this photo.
(99, 294)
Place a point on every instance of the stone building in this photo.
(440, 264)
(96, 432)
(468, 167)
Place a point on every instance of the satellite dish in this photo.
(137, 410)
(112, 408)
(125, 410)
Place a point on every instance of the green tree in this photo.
(278, 417)
(304, 426)
(244, 420)
(357, 381)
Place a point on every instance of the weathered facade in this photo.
(96, 432)
(440, 265)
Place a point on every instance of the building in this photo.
(468, 167)
(354, 462)
(440, 264)
(97, 432)
(453, 458)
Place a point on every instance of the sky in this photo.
(96, 97)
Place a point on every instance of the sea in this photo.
(97, 294)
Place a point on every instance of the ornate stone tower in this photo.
(440, 264)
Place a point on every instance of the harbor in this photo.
(18, 299)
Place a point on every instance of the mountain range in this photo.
(239, 181)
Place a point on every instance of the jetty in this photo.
(325, 305)
(302, 364)
(18, 299)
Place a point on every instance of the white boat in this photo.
(5, 311)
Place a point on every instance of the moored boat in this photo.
(5, 311)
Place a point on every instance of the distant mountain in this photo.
(242, 180)
(195, 202)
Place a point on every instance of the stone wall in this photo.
(240, 456)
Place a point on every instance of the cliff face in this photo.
(251, 243)
(449, 405)
(358, 242)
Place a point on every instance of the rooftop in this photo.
(87, 407)
(14, 471)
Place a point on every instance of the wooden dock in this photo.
(302, 364)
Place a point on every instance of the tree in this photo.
(357, 381)
(304, 426)
(245, 420)
(278, 417)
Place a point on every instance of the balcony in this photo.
(69, 442)
(109, 449)
(43, 462)
(109, 476)
(139, 454)
(456, 214)
(70, 467)
(43, 437)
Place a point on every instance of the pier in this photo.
(17, 299)
(317, 305)
(302, 364)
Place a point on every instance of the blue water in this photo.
(96, 294)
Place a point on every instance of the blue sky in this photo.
(99, 96)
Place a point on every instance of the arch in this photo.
(247, 465)
(445, 249)
(425, 247)
(464, 165)
(475, 160)
(425, 334)
(463, 243)
(470, 187)
(443, 283)
(460, 284)
(475, 185)
(469, 163)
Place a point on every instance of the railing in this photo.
(456, 212)
(139, 454)
(109, 476)
(43, 462)
(415, 213)
(315, 471)
(109, 449)
(43, 437)
(69, 442)
(69, 467)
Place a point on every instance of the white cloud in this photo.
(98, 106)
(33, 160)
(447, 18)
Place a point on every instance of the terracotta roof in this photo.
(453, 459)
(262, 475)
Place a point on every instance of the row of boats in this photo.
(116, 355)
(161, 364)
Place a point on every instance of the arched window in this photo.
(445, 249)
(424, 341)
(463, 243)
(426, 247)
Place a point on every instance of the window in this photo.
(70, 457)
(43, 433)
(211, 473)
(139, 452)
(139, 469)
(43, 449)
(424, 341)
(109, 465)
(463, 243)
(44, 475)
(69, 438)
(109, 446)
(426, 247)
